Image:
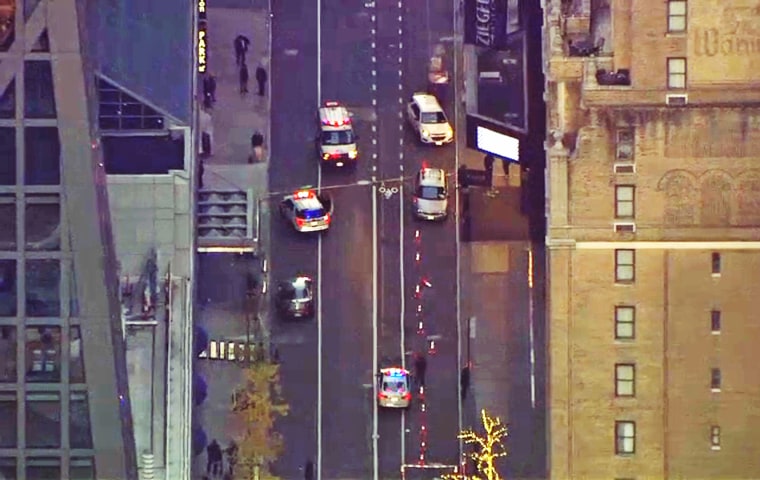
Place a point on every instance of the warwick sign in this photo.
(724, 42)
(485, 23)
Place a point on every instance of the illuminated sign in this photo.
(202, 9)
(202, 50)
(498, 144)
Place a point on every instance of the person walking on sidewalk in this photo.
(420, 366)
(308, 470)
(214, 458)
(241, 44)
(209, 89)
(464, 381)
(488, 162)
(243, 79)
(261, 78)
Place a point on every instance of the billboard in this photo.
(485, 23)
(489, 137)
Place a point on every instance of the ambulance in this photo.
(337, 140)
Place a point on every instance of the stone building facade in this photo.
(653, 218)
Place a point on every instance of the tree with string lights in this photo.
(489, 447)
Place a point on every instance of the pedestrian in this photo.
(261, 78)
(241, 44)
(308, 470)
(488, 161)
(505, 168)
(231, 451)
(420, 365)
(257, 143)
(464, 381)
(213, 457)
(243, 79)
(209, 87)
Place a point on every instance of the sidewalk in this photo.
(222, 284)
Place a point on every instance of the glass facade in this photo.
(45, 417)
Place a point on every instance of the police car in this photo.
(430, 200)
(337, 141)
(429, 120)
(394, 388)
(307, 211)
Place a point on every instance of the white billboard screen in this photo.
(498, 144)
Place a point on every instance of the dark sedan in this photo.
(295, 298)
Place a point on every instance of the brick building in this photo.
(653, 216)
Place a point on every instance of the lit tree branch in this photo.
(489, 447)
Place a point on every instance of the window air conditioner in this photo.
(625, 227)
(676, 99)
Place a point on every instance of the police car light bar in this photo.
(331, 104)
(394, 372)
(303, 194)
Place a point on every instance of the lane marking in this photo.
(402, 264)
(457, 236)
(375, 459)
(319, 261)
(531, 294)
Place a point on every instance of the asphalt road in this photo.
(426, 24)
(294, 95)
(346, 282)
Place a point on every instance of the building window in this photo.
(625, 322)
(43, 222)
(676, 16)
(625, 380)
(43, 468)
(716, 263)
(8, 288)
(42, 157)
(8, 344)
(120, 111)
(76, 357)
(625, 271)
(7, 156)
(715, 380)
(39, 96)
(624, 148)
(7, 221)
(43, 354)
(80, 433)
(43, 288)
(8, 468)
(624, 200)
(82, 468)
(677, 73)
(8, 420)
(625, 438)
(43, 420)
(715, 437)
(715, 321)
(8, 101)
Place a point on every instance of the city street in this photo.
(293, 76)
(373, 57)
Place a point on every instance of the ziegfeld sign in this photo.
(724, 42)
(486, 23)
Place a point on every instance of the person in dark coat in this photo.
(241, 44)
(488, 161)
(209, 87)
(308, 470)
(420, 365)
(464, 381)
(231, 451)
(243, 79)
(213, 457)
(261, 78)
